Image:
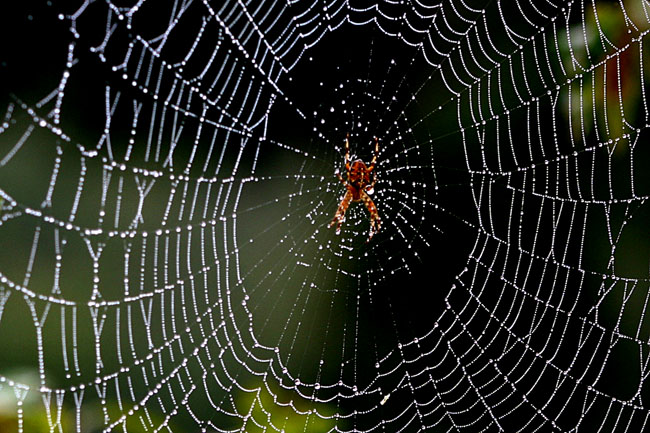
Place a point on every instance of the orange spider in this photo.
(358, 188)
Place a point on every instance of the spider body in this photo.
(358, 178)
(358, 188)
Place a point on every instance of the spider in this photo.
(358, 188)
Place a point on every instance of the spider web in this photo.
(167, 181)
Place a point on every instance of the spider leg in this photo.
(347, 152)
(374, 156)
(340, 212)
(341, 178)
(375, 221)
